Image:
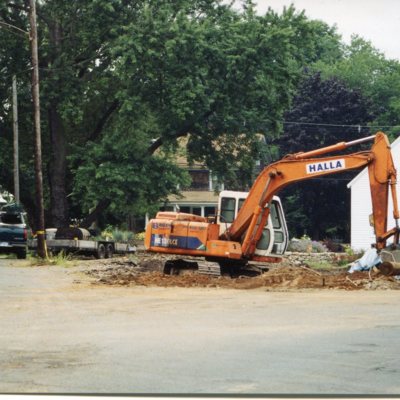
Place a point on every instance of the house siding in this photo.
(361, 233)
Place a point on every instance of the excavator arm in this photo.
(247, 228)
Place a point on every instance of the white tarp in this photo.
(366, 262)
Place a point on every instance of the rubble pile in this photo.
(146, 270)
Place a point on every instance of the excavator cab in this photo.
(275, 237)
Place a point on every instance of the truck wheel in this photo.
(109, 250)
(21, 254)
(101, 251)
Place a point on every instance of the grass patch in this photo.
(8, 256)
(61, 259)
(320, 265)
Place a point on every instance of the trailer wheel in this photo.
(101, 251)
(109, 250)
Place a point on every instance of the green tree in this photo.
(14, 60)
(119, 171)
(320, 206)
(365, 68)
(132, 76)
(203, 69)
(215, 72)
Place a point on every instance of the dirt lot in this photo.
(146, 270)
(120, 326)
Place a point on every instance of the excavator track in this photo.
(184, 266)
(208, 268)
(195, 266)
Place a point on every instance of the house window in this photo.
(167, 208)
(202, 211)
(209, 211)
(215, 184)
(200, 180)
(196, 211)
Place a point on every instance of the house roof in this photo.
(393, 145)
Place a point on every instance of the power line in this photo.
(339, 125)
(16, 73)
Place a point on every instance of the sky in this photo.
(375, 20)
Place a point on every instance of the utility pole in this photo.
(15, 132)
(40, 232)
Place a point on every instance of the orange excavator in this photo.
(191, 235)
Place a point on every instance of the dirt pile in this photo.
(145, 270)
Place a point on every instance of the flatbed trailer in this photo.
(98, 248)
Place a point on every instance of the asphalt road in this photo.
(59, 334)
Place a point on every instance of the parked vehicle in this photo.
(13, 233)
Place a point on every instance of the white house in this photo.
(361, 233)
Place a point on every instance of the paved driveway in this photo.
(60, 334)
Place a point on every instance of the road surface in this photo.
(61, 334)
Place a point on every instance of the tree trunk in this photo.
(57, 171)
(58, 159)
(316, 233)
(92, 217)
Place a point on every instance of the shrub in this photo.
(107, 233)
(116, 234)
(140, 235)
(334, 245)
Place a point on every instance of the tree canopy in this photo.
(325, 112)
(365, 68)
(123, 80)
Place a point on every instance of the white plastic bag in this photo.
(366, 262)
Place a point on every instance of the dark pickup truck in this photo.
(13, 233)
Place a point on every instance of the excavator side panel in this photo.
(177, 234)
(158, 233)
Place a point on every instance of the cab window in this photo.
(228, 209)
(240, 203)
(276, 222)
